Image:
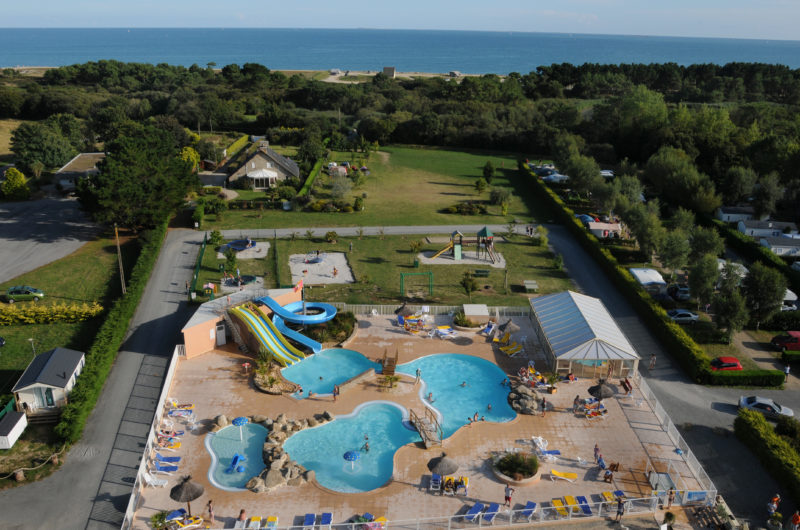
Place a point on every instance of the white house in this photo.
(734, 214)
(12, 425)
(759, 229)
(602, 230)
(782, 246)
(650, 279)
(48, 380)
(266, 169)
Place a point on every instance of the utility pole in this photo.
(119, 260)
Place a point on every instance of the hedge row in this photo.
(783, 321)
(237, 146)
(100, 356)
(751, 250)
(776, 454)
(683, 348)
(46, 314)
(315, 171)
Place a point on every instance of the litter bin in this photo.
(416, 264)
(221, 267)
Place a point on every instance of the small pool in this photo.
(224, 444)
(322, 448)
(443, 374)
(319, 372)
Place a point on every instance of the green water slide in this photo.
(269, 337)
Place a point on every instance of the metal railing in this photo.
(138, 484)
(389, 310)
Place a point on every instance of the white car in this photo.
(682, 316)
(765, 406)
(555, 178)
(607, 173)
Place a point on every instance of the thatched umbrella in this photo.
(441, 465)
(186, 491)
(403, 310)
(602, 391)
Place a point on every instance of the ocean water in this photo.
(366, 49)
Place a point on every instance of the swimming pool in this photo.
(319, 372)
(443, 374)
(223, 444)
(322, 448)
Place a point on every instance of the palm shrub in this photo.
(518, 465)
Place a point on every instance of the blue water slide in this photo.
(293, 312)
(267, 338)
(296, 336)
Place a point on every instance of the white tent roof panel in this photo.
(579, 327)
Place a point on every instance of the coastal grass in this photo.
(377, 263)
(406, 186)
(88, 274)
(6, 128)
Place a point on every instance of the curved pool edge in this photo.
(214, 463)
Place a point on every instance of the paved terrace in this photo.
(215, 382)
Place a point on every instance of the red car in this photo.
(726, 363)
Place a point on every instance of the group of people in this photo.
(451, 485)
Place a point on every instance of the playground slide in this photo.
(445, 249)
(296, 336)
(267, 337)
(293, 312)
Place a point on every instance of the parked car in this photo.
(555, 178)
(22, 293)
(544, 171)
(725, 363)
(765, 406)
(682, 316)
(789, 341)
(607, 173)
(679, 292)
(788, 306)
(585, 219)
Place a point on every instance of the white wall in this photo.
(7, 442)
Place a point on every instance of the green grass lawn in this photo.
(377, 264)
(6, 128)
(88, 274)
(407, 186)
(706, 336)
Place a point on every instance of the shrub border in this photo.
(689, 355)
(103, 351)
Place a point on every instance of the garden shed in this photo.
(48, 380)
(579, 336)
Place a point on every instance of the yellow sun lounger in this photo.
(509, 346)
(504, 339)
(559, 506)
(512, 350)
(272, 521)
(569, 477)
(255, 522)
(572, 503)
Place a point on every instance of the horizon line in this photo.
(395, 29)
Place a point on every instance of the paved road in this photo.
(95, 482)
(34, 233)
(92, 488)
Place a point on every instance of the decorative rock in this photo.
(215, 428)
(259, 419)
(221, 420)
(512, 396)
(312, 422)
(525, 390)
(296, 481)
(327, 415)
(19, 475)
(281, 418)
(268, 423)
(274, 479)
(256, 485)
(310, 475)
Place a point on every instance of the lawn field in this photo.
(406, 186)
(6, 128)
(87, 275)
(377, 264)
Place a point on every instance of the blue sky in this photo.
(761, 19)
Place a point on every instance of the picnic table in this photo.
(531, 285)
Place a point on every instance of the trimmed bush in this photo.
(776, 454)
(683, 348)
(237, 146)
(783, 321)
(312, 176)
(47, 314)
(337, 329)
(518, 465)
(100, 356)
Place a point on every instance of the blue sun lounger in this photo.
(325, 520)
(583, 505)
(177, 514)
(491, 513)
(308, 521)
(163, 469)
(474, 512)
(551, 452)
(168, 459)
(529, 510)
(619, 493)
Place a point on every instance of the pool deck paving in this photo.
(629, 434)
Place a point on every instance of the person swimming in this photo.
(430, 397)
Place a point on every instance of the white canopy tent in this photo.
(581, 337)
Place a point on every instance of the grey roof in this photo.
(288, 165)
(52, 368)
(10, 421)
(782, 241)
(83, 163)
(777, 225)
(579, 327)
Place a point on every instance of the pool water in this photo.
(322, 448)
(443, 374)
(321, 371)
(224, 444)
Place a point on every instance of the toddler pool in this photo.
(223, 444)
(322, 448)
(319, 372)
(443, 375)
